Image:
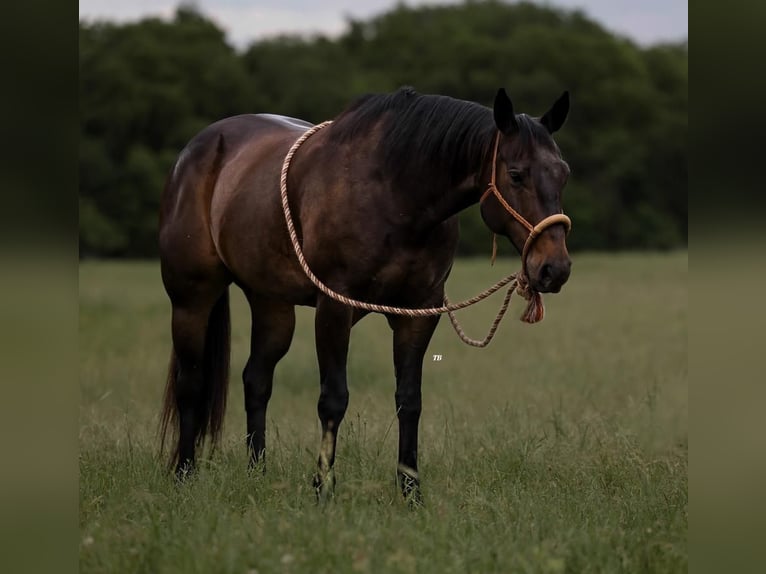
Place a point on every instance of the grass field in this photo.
(562, 447)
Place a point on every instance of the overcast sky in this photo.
(646, 21)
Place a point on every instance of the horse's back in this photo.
(217, 144)
(285, 121)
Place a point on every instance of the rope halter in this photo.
(534, 230)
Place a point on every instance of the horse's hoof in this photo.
(254, 468)
(324, 486)
(184, 471)
(414, 500)
(413, 497)
(409, 484)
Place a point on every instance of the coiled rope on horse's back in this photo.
(517, 282)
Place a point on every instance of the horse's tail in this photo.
(212, 405)
(217, 354)
(169, 413)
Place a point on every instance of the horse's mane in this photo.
(429, 135)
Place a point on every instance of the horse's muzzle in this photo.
(551, 276)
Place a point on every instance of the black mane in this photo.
(429, 135)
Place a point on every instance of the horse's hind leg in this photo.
(411, 338)
(333, 328)
(197, 382)
(273, 325)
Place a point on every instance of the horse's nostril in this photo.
(551, 276)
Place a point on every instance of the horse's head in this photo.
(528, 177)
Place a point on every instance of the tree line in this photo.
(147, 87)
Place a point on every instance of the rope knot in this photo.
(535, 310)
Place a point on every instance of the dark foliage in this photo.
(147, 87)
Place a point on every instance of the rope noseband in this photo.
(517, 282)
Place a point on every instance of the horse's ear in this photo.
(554, 118)
(505, 119)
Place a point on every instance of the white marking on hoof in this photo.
(325, 486)
(408, 472)
(326, 451)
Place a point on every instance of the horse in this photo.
(375, 197)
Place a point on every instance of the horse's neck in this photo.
(448, 201)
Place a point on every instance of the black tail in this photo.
(216, 376)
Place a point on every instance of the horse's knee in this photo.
(332, 404)
(409, 403)
(258, 385)
(257, 395)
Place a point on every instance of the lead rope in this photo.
(515, 281)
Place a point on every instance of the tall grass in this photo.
(562, 447)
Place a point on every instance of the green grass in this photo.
(562, 447)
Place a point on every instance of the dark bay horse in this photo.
(375, 197)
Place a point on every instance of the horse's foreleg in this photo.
(411, 338)
(333, 327)
(272, 330)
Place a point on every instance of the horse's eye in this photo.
(516, 177)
